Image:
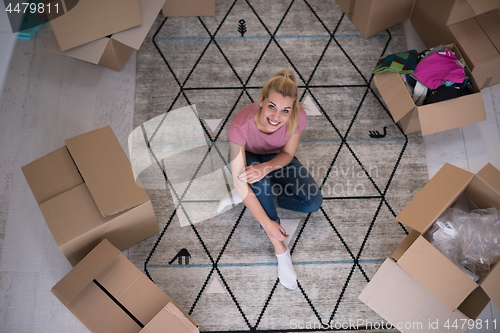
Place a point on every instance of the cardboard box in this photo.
(431, 118)
(188, 8)
(425, 267)
(479, 41)
(113, 51)
(374, 16)
(424, 262)
(431, 18)
(107, 293)
(170, 320)
(86, 192)
(405, 303)
(90, 20)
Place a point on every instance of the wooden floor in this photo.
(49, 97)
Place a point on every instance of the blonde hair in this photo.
(284, 83)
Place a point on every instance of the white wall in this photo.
(7, 42)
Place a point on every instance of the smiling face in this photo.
(275, 112)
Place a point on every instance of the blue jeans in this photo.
(293, 186)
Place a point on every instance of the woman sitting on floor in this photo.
(264, 137)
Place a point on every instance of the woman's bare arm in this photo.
(255, 173)
(238, 164)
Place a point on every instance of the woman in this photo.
(264, 137)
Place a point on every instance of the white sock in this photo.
(286, 272)
(232, 198)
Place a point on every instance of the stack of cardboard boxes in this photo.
(418, 289)
(471, 25)
(105, 32)
(86, 189)
(88, 196)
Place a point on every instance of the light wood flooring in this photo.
(47, 98)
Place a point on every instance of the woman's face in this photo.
(276, 110)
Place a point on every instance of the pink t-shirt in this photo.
(244, 132)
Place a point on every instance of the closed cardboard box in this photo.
(87, 192)
(418, 283)
(431, 18)
(431, 118)
(479, 41)
(188, 8)
(90, 20)
(113, 49)
(373, 16)
(107, 293)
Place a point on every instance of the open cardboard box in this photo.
(87, 192)
(188, 8)
(423, 267)
(431, 118)
(374, 16)
(107, 293)
(406, 304)
(479, 41)
(429, 266)
(113, 50)
(431, 18)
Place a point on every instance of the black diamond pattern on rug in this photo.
(222, 71)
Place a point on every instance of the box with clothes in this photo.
(431, 91)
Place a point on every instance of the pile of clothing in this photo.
(431, 76)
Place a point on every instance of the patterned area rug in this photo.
(221, 268)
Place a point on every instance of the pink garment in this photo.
(244, 132)
(439, 67)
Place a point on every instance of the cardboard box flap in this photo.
(115, 55)
(490, 24)
(483, 6)
(461, 10)
(437, 195)
(437, 273)
(491, 286)
(135, 36)
(170, 320)
(452, 113)
(475, 303)
(394, 93)
(72, 215)
(405, 245)
(106, 171)
(472, 38)
(484, 189)
(491, 176)
(94, 19)
(139, 295)
(86, 271)
(90, 52)
(400, 299)
(51, 175)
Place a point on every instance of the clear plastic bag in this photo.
(468, 236)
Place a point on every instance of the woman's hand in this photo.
(254, 173)
(276, 231)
